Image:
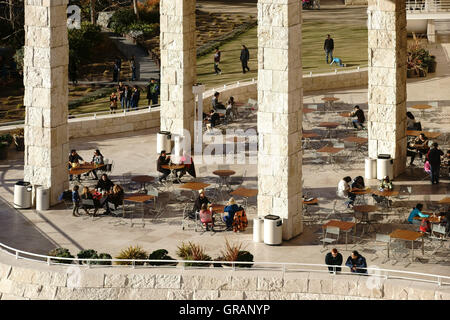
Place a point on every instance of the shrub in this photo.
(18, 58)
(146, 28)
(8, 138)
(160, 254)
(61, 253)
(82, 41)
(136, 253)
(194, 252)
(121, 19)
(104, 256)
(87, 254)
(233, 252)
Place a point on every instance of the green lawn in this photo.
(350, 43)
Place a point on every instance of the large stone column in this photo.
(178, 65)
(387, 80)
(46, 95)
(280, 113)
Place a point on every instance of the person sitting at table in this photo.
(104, 183)
(417, 212)
(232, 106)
(421, 145)
(445, 220)
(163, 159)
(334, 258)
(360, 117)
(189, 167)
(358, 183)
(411, 123)
(206, 217)
(97, 159)
(74, 161)
(202, 199)
(385, 185)
(214, 119)
(343, 191)
(229, 212)
(116, 198)
(216, 105)
(355, 262)
(87, 195)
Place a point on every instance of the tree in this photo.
(92, 3)
(136, 11)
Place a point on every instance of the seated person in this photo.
(343, 190)
(411, 123)
(104, 183)
(206, 217)
(116, 197)
(337, 61)
(356, 261)
(360, 117)
(358, 183)
(232, 105)
(189, 167)
(214, 119)
(229, 212)
(421, 145)
(74, 161)
(87, 195)
(97, 159)
(216, 105)
(386, 184)
(416, 212)
(202, 199)
(163, 159)
(445, 220)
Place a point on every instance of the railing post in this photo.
(253, 80)
(310, 74)
(234, 266)
(95, 116)
(439, 281)
(17, 255)
(357, 68)
(48, 261)
(134, 266)
(335, 71)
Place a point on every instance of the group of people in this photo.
(118, 67)
(128, 96)
(202, 209)
(229, 111)
(75, 160)
(346, 185)
(165, 159)
(424, 223)
(105, 192)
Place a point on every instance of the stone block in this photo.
(296, 283)
(270, 284)
(87, 294)
(422, 291)
(91, 279)
(180, 294)
(168, 281)
(5, 270)
(206, 282)
(256, 295)
(244, 283)
(142, 281)
(230, 295)
(6, 286)
(206, 294)
(59, 279)
(320, 284)
(19, 274)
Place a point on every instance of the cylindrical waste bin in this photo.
(163, 141)
(371, 168)
(22, 195)
(385, 166)
(42, 198)
(258, 229)
(273, 230)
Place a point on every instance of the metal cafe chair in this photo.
(383, 240)
(331, 236)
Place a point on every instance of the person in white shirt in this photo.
(343, 190)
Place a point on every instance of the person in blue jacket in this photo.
(338, 61)
(417, 212)
(229, 212)
(355, 262)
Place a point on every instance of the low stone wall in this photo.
(29, 280)
(316, 82)
(356, 2)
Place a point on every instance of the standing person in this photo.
(360, 117)
(76, 201)
(128, 96)
(245, 56)
(355, 262)
(135, 97)
(152, 92)
(113, 103)
(122, 95)
(133, 68)
(74, 160)
(328, 46)
(217, 55)
(333, 258)
(434, 158)
(97, 159)
(116, 72)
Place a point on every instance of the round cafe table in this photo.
(224, 176)
(329, 101)
(365, 210)
(143, 180)
(422, 108)
(173, 168)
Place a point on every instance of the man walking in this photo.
(217, 70)
(245, 56)
(152, 92)
(434, 158)
(328, 46)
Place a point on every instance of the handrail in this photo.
(283, 266)
(413, 6)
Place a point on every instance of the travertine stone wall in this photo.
(27, 280)
(178, 65)
(46, 95)
(280, 112)
(387, 80)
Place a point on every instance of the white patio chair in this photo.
(331, 235)
(381, 243)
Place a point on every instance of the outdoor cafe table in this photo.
(432, 219)
(446, 200)
(312, 202)
(387, 194)
(344, 226)
(84, 168)
(138, 198)
(224, 176)
(408, 235)
(307, 136)
(357, 140)
(365, 210)
(143, 180)
(429, 134)
(173, 167)
(194, 186)
(330, 150)
(245, 193)
(329, 101)
(361, 192)
(218, 208)
(422, 108)
(329, 126)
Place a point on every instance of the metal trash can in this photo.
(385, 166)
(273, 230)
(258, 229)
(371, 168)
(22, 195)
(42, 198)
(163, 141)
